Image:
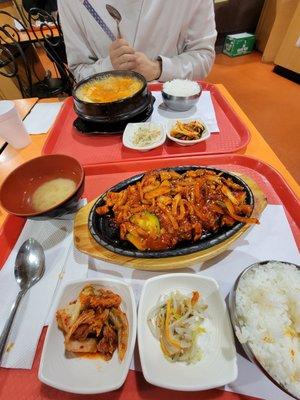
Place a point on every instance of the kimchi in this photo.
(94, 323)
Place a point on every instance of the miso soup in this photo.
(51, 193)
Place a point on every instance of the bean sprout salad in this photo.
(177, 322)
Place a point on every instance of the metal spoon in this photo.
(116, 16)
(29, 268)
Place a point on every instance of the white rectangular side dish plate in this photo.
(87, 375)
(218, 365)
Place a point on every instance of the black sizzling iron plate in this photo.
(105, 232)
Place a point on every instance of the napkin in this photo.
(76, 267)
(41, 117)
(203, 110)
(271, 240)
(62, 263)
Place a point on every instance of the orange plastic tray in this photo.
(65, 139)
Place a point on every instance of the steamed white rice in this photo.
(181, 88)
(268, 308)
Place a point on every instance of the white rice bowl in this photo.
(268, 312)
(181, 88)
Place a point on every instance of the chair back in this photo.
(52, 41)
(13, 59)
(19, 56)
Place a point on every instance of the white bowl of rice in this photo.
(265, 313)
(181, 94)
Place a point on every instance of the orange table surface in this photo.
(135, 386)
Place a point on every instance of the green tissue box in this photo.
(239, 44)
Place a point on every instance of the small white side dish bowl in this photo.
(218, 366)
(85, 375)
(132, 128)
(170, 125)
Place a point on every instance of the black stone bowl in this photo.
(117, 110)
(106, 233)
(90, 128)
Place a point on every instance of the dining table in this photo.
(24, 384)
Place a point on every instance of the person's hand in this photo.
(122, 55)
(151, 70)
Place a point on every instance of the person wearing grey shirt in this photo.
(161, 39)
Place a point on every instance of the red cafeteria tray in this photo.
(100, 177)
(63, 137)
(18, 384)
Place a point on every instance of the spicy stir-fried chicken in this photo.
(166, 207)
(94, 323)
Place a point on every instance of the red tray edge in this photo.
(282, 189)
(51, 138)
(240, 127)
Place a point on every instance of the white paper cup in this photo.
(12, 129)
